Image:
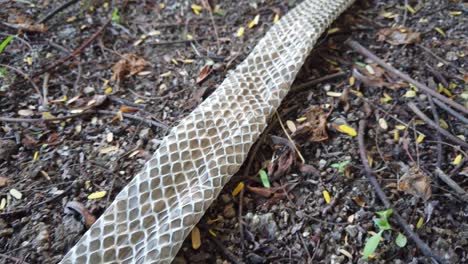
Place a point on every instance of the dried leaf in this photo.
(204, 72)
(129, 65)
(420, 223)
(399, 36)
(3, 181)
(86, 217)
(128, 109)
(260, 191)
(314, 128)
(417, 183)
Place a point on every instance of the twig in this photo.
(365, 52)
(451, 111)
(182, 41)
(228, 254)
(56, 10)
(141, 119)
(290, 139)
(105, 112)
(439, 58)
(452, 184)
(76, 51)
(38, 91)
(439, 137)
(303, 86)
(239, 219)
(39, 120)
(431, 123)
(45, 90)
(425, 249)
(16, 260)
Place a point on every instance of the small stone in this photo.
(229, 211)
(451, 56)
(351, 230)
(226, 198)
(7, 148)
(89, 90)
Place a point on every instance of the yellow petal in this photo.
(238, 188)
(438, 29)
(36, 155)
(420, 138)
(108, 90)
(276, 18)
(410, 94)
(443, 124)
(240, 32)
(97, 195)
(196, 8)
(254, 22)
(457, 159)
(327, 197)
(196, 240)
(347, 130)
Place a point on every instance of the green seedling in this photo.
(383, 225)
(341, 166)
(116, 16)
(264, 177)
(5, 43)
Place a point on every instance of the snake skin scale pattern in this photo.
(150, 218)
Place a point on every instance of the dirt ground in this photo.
(115, 87)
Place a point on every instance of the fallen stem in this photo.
(76, 51)
(367, 53)
(425, 249)
(431, 123)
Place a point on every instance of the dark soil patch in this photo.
(51, 164)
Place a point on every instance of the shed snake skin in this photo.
(150, 218)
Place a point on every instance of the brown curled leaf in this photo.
(77, 208)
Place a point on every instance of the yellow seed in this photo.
(438, 29)
(352, 80)
(347, 130)
(396, 135)
(36, 155)
(238, 189)
(420, 223)
(97, 195)
(196, 240)
(327, 197)
(108, 90)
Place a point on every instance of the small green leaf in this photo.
(382, 224)
(115, 16)
(5, 43)
(401, 240)
(341, 165)
(264, 178)
(385, 214)
(371, 245)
